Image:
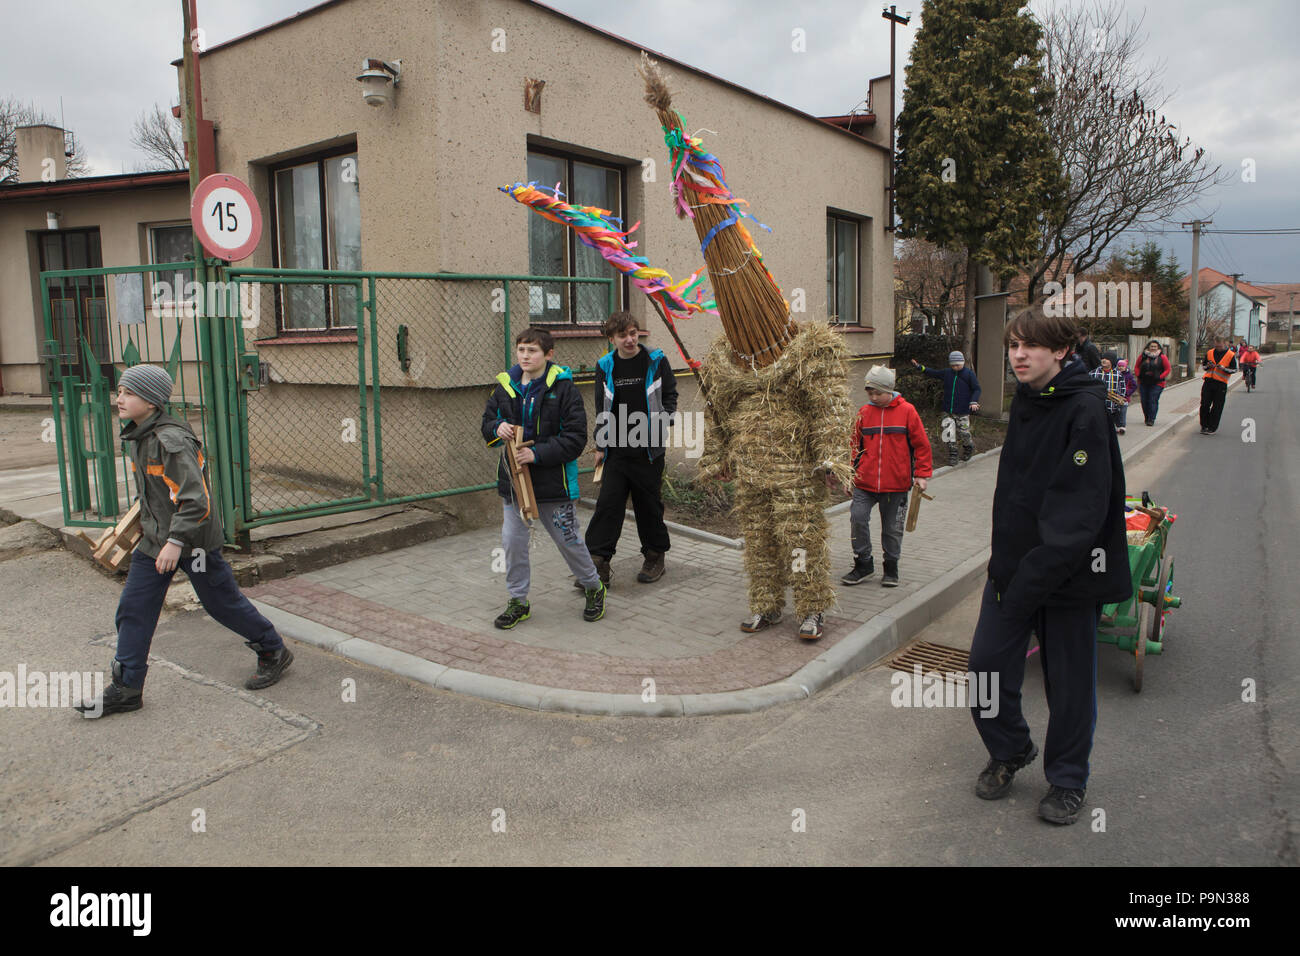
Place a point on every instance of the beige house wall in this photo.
(122, 217)
(430, 165)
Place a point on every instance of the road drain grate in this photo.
(952, 662)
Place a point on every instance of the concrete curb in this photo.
(870, 642)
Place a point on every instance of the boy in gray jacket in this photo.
(180, 529)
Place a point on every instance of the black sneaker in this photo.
(515, 612)
(1061, 805)
(270, 666)
(995, 780)
(652, 569)
(116, 699)
(595, 608)
(966, 452)
(861, 571)
(890, 580)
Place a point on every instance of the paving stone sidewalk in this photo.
(436, 601)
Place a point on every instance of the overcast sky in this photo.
(1230, 71)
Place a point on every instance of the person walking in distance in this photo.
(1219, 362)
(1152, 372)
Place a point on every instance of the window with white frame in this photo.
(554, 250)
(166, 291)
(842, 269)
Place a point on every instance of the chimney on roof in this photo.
(40, 154)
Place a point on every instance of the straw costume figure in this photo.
(776, 393)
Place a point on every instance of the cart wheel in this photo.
(1145, 614)
(1166, 585)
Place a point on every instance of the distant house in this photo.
(1282, 314)
(49, 222)
(1243, 315)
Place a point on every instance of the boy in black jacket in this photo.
(636, 396)
(1059, 552)
(539, 397)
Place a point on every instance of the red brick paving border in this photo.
(753, 661)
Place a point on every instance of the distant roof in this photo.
(1208, 278)
(853, 122)
(586, 26)
(93, 184)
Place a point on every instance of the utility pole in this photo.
(1194, 293)
(1232, 331)
(1290, 318)
(891, 14)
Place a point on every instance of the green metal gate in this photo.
(314, 392)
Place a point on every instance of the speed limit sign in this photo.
(226, 217)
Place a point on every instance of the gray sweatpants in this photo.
(560, 518)
(893, 513)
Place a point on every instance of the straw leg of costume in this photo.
(802, 529)
(767, 562)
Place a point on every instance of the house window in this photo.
(318, 226)
(842, 269)
(170, 243)
(554, 250)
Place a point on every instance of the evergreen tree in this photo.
(976, 169)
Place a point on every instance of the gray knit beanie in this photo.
(881, 378)
(150, 382)
(955, 358)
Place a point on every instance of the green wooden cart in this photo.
(1138, 625)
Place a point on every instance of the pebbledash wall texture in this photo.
(429, 164)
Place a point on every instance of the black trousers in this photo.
(624, 475)
(1213, 396)
(1067, 640)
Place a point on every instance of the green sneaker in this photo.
(515, 612)
(595, 608)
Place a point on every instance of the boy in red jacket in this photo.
(890, 454)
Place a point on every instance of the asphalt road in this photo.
(1186, 772)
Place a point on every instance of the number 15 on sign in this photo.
(226, 217)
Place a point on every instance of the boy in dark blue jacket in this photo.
(961, 396)
(539, 397)
(1058, 553)
(636, 396)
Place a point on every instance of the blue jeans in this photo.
(1150, 400)
(142, 601)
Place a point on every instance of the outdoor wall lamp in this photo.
(376, 77)
(52, 220)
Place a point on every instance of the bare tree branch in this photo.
(158, 135)
(1123, 159)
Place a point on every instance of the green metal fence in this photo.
(96, 322)
(315, 392)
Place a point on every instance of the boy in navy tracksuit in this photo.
(961, 396)
(539, 397)
(1058, 553)
(636, 397)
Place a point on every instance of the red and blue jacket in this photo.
(890, 447)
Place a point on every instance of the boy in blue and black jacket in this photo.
(961, 396)
(636, 398)
(539, 397)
